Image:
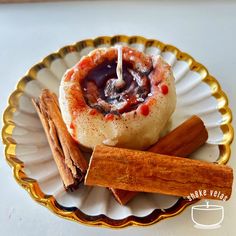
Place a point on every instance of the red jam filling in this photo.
(109, 117)
(93, 112)
(85, 63)
(69, 74)
(101, 93)
(72, 125)
(144, 109)
(164, 89)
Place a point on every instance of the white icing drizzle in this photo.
(119, 82)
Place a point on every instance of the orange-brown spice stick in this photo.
(150, 172)
(70, 161)
(182, 141)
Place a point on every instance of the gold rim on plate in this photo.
(73, 213)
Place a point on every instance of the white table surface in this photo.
(28, 32)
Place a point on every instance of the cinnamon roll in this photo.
(118, 97)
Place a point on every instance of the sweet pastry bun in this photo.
(99, 110)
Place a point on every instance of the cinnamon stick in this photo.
(150, 172)
(182, 141)
(70, 162)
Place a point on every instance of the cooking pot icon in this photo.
(207, 216)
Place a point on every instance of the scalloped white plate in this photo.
(194, 96)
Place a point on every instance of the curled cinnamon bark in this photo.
(182, 141)
(70, 162)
